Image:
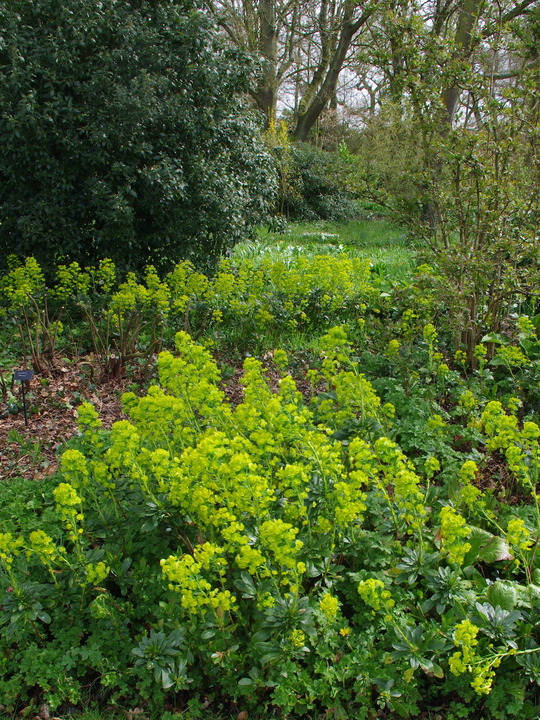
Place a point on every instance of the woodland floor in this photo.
(52, 397)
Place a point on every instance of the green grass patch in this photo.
(380, 241)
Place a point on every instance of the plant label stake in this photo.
(23, 376)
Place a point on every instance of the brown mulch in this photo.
(52, 397)
(497, 477)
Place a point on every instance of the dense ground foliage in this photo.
(364, 546)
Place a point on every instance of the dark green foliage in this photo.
(318, 189)
(122, 134)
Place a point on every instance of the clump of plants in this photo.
(282, 554)
(123, 317)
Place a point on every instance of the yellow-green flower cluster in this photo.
(329, 607)
(467, 401)
(158, 293)
(9, 547)
(297, 639)
(44, 547)
(430, 334)
(526, 327)
(69, 505)
(293, 480)
(374, 593)
(466, 658)
(250, 559)
(254, 290)
(392, 349)
(96, 573)
(480, 352)
(74, 468)
(521, 447)
(192, 377)
(518, 535)
(453, 534)
(131, 295)
(354, 395)
(511, 357)
(188, 574)
(186, 285)
(349, 501)
(398, 475)
(219, 479)
(464, 638)
(436, 422)
(336, 348)
(501, 429)
(87, 418)
(281, 359)
(71, 280)
(22, 282)
(125, 446)
(104, 276)
(468, 492)
(431, 466)
(442, 370)
(279, 540)
(240, 475)
(483, 676)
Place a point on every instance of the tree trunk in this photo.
(463, 41)
(266, 93)
(311, 108)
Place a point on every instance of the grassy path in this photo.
(383, 243)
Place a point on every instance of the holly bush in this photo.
(123, 134)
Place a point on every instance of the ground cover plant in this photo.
(134, 317)
(364, 547)
(304, 483)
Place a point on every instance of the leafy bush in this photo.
(467, 193)
(123, 135)
(252, 555)
(390, 162)
(317, 188)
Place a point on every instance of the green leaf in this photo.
(502, 594)
(245, 584)
(166, 679)
(493, 337)
(486, 547)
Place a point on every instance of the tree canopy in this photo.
(319, 54)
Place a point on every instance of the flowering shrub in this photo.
(139, 316)
(261, 555)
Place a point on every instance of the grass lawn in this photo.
(383, 243)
